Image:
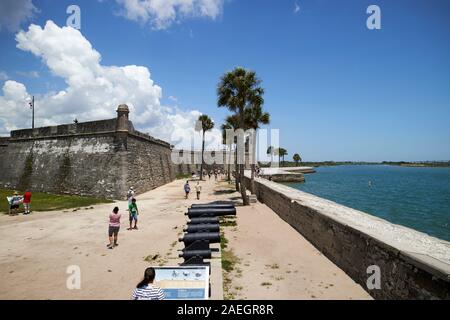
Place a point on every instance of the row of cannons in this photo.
(203, 229)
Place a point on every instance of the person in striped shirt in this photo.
(146, 290)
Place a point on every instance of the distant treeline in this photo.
(318, 163)
(418, 164)
(342, 163)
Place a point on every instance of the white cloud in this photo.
(296, 7)
(162, 13)
(3, 76)
(93, 90)
(15, 12)
(28, 74)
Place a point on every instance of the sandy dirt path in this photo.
(273, 261)
(36, 250)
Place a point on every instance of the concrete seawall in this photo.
(412, 264)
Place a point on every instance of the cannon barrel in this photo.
(187, 254)
(214, 205)
(211, 237)
(202, 227)
(203, 220)
(205, 212)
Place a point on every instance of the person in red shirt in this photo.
(27, 202)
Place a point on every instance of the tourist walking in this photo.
(146, 290)
(187, 189)
(198, 189)
(134, 212)
(114, 226)
(130, 195)
(27, 202)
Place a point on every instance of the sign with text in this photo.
(183, 283)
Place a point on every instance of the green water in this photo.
(418, 198)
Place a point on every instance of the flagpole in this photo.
(32, 109)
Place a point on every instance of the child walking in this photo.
(134, 212)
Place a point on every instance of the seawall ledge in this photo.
(423, 250)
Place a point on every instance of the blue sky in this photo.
(335, 89)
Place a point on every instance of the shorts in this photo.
(14, 206)
(133, 216)
(113, 231)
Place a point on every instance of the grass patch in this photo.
(228, 223)
(229, 261)
(184, 176)
(151, 257)
(47, 202)
(223, 242)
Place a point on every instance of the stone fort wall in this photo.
(99, 158)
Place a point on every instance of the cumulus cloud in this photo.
(93, 90)
(15, 12)
(162, 13)
(3, 76)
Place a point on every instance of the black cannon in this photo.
(214, 205)
(200, 240)
(188, 254)
(205, 212)
(203, 220)
(211, 237)
(193, 228)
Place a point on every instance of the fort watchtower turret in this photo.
(122, 127)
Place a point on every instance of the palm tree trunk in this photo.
(253, 165)
(229, 165)
(242, 165)
(236, 170)
(203, 151)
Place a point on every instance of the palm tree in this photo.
(297, 159)
(207, 125)
(230, 124)
(283, 152)
(254, 117)
(271, 151)
(239, 90)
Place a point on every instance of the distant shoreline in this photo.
(424, 164)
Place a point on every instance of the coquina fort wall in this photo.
(99, 158)
(412, 264)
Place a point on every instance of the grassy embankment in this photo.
(48, 202)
